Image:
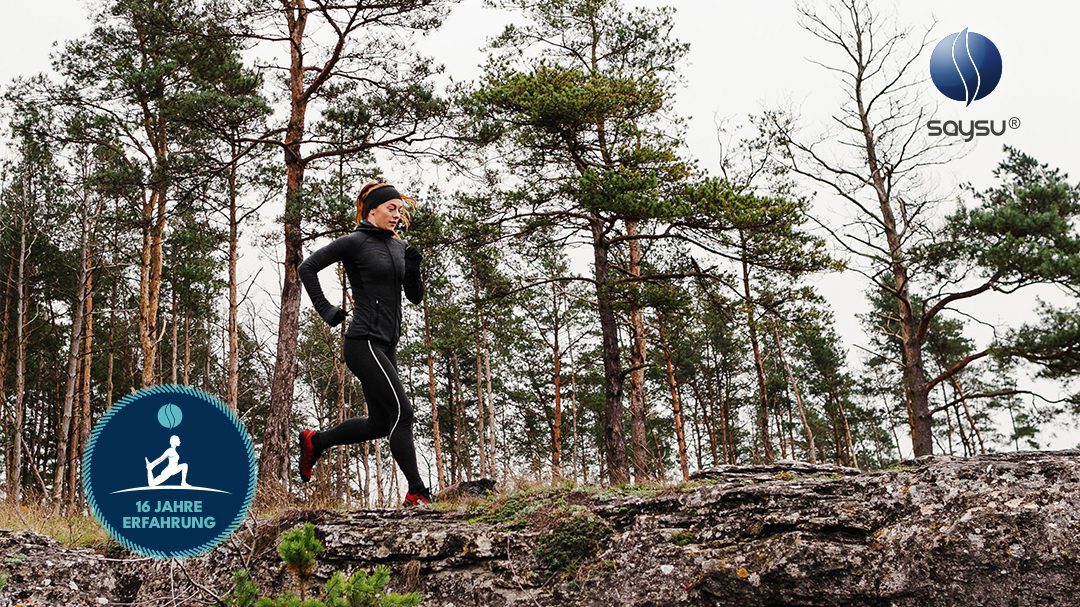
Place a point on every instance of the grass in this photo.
(270, 503)
(898, 466)
(72, 530)
(526, 502)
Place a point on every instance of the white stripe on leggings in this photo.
(391, 387)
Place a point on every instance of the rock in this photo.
(40, 571)
(477, 488)
(1000, 529)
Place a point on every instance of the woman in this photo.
(378, 265)
(171, 468)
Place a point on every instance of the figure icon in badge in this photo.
(171, 468)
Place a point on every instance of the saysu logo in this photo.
(965, 66)
(169, 471)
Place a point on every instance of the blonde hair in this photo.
(408, 205)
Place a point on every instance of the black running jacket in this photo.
(378, 267)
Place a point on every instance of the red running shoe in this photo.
(422, 496)
(307, 455)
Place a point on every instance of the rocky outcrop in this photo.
(37, 571)
(994, 530)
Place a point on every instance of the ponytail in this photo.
(408, 206)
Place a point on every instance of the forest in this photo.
(600, 308)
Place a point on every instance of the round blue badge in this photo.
(965, 66)
(169, 471)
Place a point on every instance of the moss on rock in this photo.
(573, 540)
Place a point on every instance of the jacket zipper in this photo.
(391, 256)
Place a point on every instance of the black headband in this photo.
(380, 195)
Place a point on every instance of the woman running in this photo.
(379, 265)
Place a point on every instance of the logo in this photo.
(971, 129)
(169, 472)
(965, 66)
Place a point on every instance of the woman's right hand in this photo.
(334, 316)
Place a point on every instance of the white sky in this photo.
(745, 57)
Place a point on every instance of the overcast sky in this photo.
(746, 57)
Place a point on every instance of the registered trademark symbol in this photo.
(1014, 123)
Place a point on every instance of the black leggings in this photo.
(389, 411)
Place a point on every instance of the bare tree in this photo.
(892, 211)
(24, 210)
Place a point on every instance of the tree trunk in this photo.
(710, 406)
(187, 347)
(759, 367)
(14, 490)
(831, 409)
(462, 437)
(207, 379)
(490, 400)
(661, 471)
(154, 219)
(695, 424)
(778, 418)
(272, 462)
(232, 390)
(723, 392)
(852, 460)
(145, 339)
(838, 441)
(5, 335)
(574, 445)
(431, 397)
(729, 436)
(967, 413)
(455, 432)
(70, 489)
(811, 448)
(915, 390)
(615, 454)
(968, 448)
(704, 414)
(341, 463)
(381, 493)
(112, 347)
(82, 437)
(392, 492)
(790, 425)
(676, 405)
(175, 340)
(638, 452)
(914, 373)
(556, 426)
(64, 431)
(481, 412)
(366, 459)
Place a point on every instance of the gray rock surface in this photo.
(1001, 529)
(38, 571)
